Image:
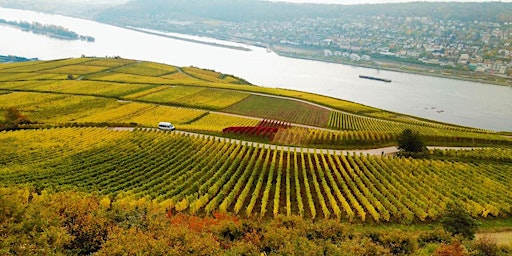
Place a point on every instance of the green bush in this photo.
(458, 221)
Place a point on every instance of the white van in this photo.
(166, 126)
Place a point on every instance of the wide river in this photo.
(465, 103)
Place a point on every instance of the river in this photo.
(465, 103)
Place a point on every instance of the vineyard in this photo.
(281, 109)
(202, 175)
(265, 129)
(117, 91)
(214, 162)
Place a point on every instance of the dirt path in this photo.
(501, 238)
(386, 151)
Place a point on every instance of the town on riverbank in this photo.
(470, 41)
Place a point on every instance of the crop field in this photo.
(41, 66)
(177, 116)
(199, 174)
(60, 108)
(265, 129)
(209, 75)
(6, 76)
(146, 69)
(79, 69)
(282, 110)
(83, 162)
(240, 149)
(127, 78)
(180, 78)
(109, 62)
(26, 99)
(205, 98)
(106, 89)
(213, 122)
(347, 121)
(122, 113)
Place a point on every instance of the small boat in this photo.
(375, 78)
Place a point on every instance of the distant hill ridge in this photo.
(248, 10)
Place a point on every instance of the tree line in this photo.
(257, 10)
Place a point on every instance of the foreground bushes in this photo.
(71, 223)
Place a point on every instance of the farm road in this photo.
(373, 152)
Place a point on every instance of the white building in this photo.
(354, 57)
(366, 58)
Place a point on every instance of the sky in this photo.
(380, 1)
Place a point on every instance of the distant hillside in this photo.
(250, 10)
(12, 58)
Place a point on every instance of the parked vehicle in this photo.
(166, 126)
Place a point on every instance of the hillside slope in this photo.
(74, 99)
(96, 91)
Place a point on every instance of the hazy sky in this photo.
(379, 1)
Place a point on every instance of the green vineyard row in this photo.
(203, 175)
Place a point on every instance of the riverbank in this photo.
(155, 33)
(316, 55)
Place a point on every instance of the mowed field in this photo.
(68, 147)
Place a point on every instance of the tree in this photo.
(458, 221)
(410, 141)
(12, 119)
(13, 116)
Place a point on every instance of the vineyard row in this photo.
(202, 175)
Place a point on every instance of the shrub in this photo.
(410, 141)
(453, 249)
(458, 221)
(486, 246)
(434, 236)
(363, 247)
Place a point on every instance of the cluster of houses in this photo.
(480, 46)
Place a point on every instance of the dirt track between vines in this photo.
(386, 151)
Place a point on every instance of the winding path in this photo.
(386, 151)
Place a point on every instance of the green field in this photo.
(74, 140)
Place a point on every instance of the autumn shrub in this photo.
(437, 236)
(133, 241)
(276, 239)
(398, 243)
(485, 246)
(331, 230)
(29, 227)
(291, 222)
(363, 246)
(84, 219)
(453, 249)
(242, 248)
(300, 246)
(228, 233)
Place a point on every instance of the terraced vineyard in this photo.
(202, 174)
(281, 109)
(199, 174)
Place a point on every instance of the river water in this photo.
(460, 102)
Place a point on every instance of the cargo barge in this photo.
(375, 78)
